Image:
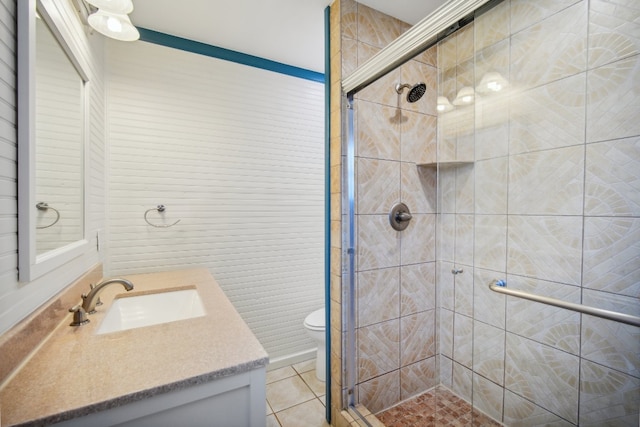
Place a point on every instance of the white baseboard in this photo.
(291, 359)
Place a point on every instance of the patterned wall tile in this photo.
(464, 239)
(381, 392)
(613, 100)
(610, 343)
(549, 116)
(463, 340)
(612, 182)
(608, 397)
(418, 243)
(493, 26)
(417, 337)
(465, 188)
(465, 43)
(446, 190)
(378, 134)
(378, 244)
(418, 377)
(551, 49)
(612, 255)
(418, 188)
(545, 247)
(491, 186)
(490, 242)
(378, 349)
(462, 381)
(488, 306)
(446, 237)
(488, 351)
(378, 29)
(557, 327)
(487, 396)
(613, 31)
(446, 371)
(446, 285)
(492, 139)
(543, 375)
(349, 18)
(417, 288)
(547, 182)
(418, 137)
(378, 187)
(349, 56)
(378, 296)
(525, 13)
(463, 293)
(383, 90)
(446, 333)
(520, 412)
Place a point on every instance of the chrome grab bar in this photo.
(500, 286)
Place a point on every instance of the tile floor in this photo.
(437, 407)
(295, 397)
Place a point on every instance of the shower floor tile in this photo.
(436, 408)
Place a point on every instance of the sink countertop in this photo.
(77, 372)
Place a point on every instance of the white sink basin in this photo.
(151, 309)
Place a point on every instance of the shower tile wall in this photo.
(551, 203)
(395, 272)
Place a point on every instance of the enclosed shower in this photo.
(512, 141)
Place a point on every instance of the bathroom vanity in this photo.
(205, 370)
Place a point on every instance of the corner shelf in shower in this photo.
(448, 164)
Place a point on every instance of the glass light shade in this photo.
(114, 6)
(492, 82)
(465, 96)
(443, 104)
(114, 25)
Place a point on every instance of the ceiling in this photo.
(286, 31)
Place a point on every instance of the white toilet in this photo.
(314, 323)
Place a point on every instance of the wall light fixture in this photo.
(112, 19)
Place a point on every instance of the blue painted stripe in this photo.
(227, 54)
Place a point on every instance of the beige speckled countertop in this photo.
(77, 372)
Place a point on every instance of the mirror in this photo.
(58, 145)
(52, 123)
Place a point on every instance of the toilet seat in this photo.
(316, 320)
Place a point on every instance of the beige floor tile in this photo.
(288, 392)
(318, 387)
(272, 421)
(269, 410)
(308, 414)
(305, 366)
(280, 374)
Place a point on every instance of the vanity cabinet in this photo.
(208, 370)
(238, 400)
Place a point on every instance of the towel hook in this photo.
(159, 208)
(43, 206)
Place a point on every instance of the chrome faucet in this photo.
(92, 299)
(89, 301)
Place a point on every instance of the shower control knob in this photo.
(399, 217)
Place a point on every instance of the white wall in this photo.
(18, 299)
(237, 154)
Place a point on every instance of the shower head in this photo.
(415, 92)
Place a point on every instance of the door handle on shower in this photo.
(399, 217)
(403, 216)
